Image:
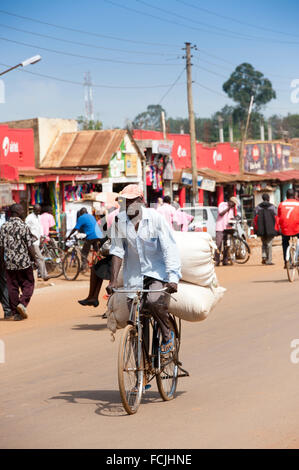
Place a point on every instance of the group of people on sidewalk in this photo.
(269, 222)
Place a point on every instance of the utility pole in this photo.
(242, 147)
(191, 122)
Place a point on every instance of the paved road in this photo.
(58, 386)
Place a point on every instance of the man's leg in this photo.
(219, 239)
(264, 249)
(13, 290)
(26, 281)
(225, 249)
(285, 244)
(4, 297)
(41, 262)
(269, 249)
(157, 303)
(85, 252)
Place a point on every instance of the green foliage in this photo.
(91, 125)
(244, 82)
(149, 119)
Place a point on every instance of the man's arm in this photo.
(117, 251)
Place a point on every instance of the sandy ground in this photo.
(58, 385)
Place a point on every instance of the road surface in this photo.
(58, 385)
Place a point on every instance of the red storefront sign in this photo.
(16, 151)
(222, 157)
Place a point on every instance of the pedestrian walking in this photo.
(33, 221)
(47, 221)
(18, 255)
(265, 220)
(226, 211)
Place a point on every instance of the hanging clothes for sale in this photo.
(169, 168)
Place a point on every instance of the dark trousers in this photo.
(17, 280)
(86, 248)
(4, 297)
(221, 238)
(285, 244)
(267, 248)
(157, 304)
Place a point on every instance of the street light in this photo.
(26, 62)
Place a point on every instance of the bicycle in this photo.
(139, 357)
(238, 250)
(71, 263)
(53, 256)
(292, 258)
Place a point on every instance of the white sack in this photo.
(194, 303)
(196, 253)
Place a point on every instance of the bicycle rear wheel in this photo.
(167, 377)
(130, 370)
(53, 262)
(291, 263)
(71, 266)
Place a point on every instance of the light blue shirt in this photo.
(151, 251)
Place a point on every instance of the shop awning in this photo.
(83, 149)
(37, 175)
(288, 175)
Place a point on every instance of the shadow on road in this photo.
(87, 326)
(275, 281)
(108, 402)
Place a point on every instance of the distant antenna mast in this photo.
(88, 97)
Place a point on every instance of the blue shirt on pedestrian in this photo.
(90, 227)
(151, 251)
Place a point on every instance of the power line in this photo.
(214, 32)
(81, 31)
(72, 82)
(235, 19)
(172, 86)
(101, 59)
(84, 44)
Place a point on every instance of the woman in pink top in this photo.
(226, 211)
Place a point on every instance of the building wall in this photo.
(46, 130)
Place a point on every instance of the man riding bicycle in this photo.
(87, 223)
(142, 238)
(288, 214)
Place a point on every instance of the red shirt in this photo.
(288, 214)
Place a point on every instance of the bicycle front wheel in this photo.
(71, 266)
(242, 251)
(54, 262)
(130, 370)
(291, 263)
(167, 377)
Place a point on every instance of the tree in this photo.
(149, 119)
(244, 82)
(91, 125)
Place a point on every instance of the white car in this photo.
(204, 219)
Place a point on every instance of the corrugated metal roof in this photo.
(219, 177)
(83, 149)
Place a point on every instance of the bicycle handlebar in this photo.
(135, 291)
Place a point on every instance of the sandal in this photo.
(169, 346)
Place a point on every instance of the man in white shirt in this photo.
(34, 223)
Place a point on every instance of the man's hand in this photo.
(110, 287)
(172, 287)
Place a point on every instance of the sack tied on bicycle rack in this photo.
(198, 291)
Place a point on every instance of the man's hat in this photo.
(132, 191)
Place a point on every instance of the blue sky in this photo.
(134, 54)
